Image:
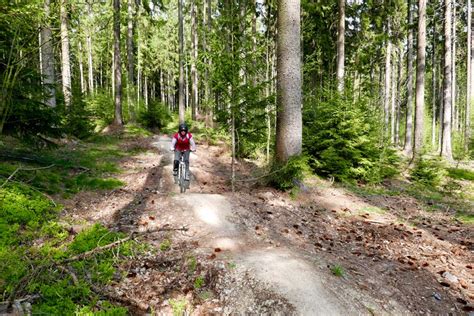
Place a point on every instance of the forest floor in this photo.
(327, 250)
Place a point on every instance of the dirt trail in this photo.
(283, 270)
(259, 252)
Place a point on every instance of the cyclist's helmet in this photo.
(183, 127)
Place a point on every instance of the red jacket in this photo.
(183, 143)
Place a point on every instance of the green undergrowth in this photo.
(436, 186)
(67, 170)
(38, 251)
(34, 247)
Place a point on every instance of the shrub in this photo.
(343, 138)
(156, 116)
(286, 176)
(428, 172)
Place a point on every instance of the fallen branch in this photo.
(97, 250)
(117, 243)
(24, 169)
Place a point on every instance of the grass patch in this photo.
(165, 245)
(371, 210)
(198, 282)
(179, 307)
(461, 174)
(466, 218)
(337, 270)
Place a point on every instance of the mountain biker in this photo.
(182, 143)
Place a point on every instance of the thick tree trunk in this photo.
(388, 68)
(47, 59)
(420, 78)
(409, 124)
(194, 59)
(470, 63)
(340, 46)
(289, 120)
(117, 65)
(181, 61)
(446, 151)
(65, 58)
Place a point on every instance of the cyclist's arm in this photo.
(173, 144)
(192, 143)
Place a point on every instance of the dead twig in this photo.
(118, 242)
(24, 169)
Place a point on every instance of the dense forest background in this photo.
(385, 78)
(356, 91)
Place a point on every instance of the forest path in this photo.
(212, 221)
(261, 251)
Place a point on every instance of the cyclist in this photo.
(182, 144)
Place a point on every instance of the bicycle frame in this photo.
(181, 174)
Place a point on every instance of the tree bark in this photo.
(388, 67)
(453, 70)
(81, 69)
(181, 61)
(393, 99)
(130, 61)
(433, 87)
(65, 58)
(340, 46)
(289, 118)
(470, 63)
(194, 51)
(446, 151)
(117, 66)
(89, 50)
(398, 96)
(47, 59)
(420, 78)
(409, 124)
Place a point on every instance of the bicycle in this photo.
(180, 178)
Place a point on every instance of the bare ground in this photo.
(258, 251)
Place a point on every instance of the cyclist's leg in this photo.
(177, 154)
(186, 160)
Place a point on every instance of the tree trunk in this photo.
(47, 59)
(89, 50)
(65, 58)
(194, 59)
(130, 61)
(433, 87)
(470, 63)
(453, 70)
(398, 96)
(409, 124)
(181, 61)
(117, 66)
(393, 98)
(420, 78)
(81, 69)
(446, 151)
(386, 100)
(340, 47)
(289, 120)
